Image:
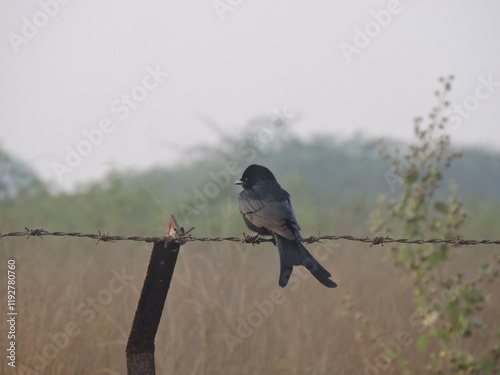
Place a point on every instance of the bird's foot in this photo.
(255, 239)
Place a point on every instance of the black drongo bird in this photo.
(267, 210)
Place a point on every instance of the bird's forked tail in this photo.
(294, 253)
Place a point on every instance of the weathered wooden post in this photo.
(141, 342)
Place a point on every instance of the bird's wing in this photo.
(276, 216)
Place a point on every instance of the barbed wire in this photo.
(184, 236)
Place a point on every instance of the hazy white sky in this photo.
(136, 78)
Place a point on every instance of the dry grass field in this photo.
(225, 313)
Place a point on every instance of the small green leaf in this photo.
(441, 207)
(435, 259)
(444, 335)
(455, 313)
(485, 268)
(488, 364)
(412, 177)
(422, 343)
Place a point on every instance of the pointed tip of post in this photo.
(174, 230)
(173, 227)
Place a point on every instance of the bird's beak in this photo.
(239, 182)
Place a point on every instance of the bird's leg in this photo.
(274, 240)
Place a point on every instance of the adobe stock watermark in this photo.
(221, 7)
(31, 26)
(456, 114)
(247, 149)
(121, 107)
(87, 310)
(363, 36)
(246, 324)
(392, 349)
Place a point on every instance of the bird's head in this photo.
(253, 174)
